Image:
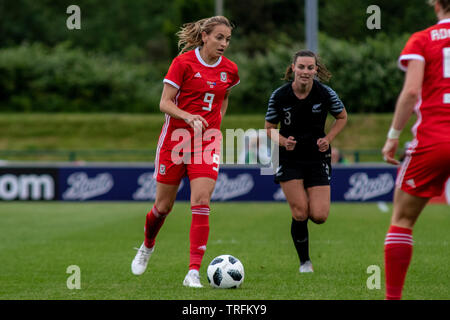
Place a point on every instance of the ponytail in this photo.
(190, 34)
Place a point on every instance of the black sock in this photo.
(299, 233)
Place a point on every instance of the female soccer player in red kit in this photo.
(426, 167)
(194, 98)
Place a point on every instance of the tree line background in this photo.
(117, 61)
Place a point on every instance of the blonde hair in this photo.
(322, 72)
(445, 4)
(190, 34)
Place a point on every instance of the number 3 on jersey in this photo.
(209, 98)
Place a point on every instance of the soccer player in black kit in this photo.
(301, 107)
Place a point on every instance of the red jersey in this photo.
(201, 90)
(201, 87)
(432, 46)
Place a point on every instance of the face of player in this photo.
(304, 69)
(216, 42)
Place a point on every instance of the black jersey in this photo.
(304, 119)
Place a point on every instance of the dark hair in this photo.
(190, 35)
(445, 4)
(322, 72)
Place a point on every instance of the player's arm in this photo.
(404, 108)
(338, 125)
(168, 106)
(273, 133)
(224, 107)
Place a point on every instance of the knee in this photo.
(164, 206)
(403, 221)
(319, 217)
(201, 199)
(299, 212)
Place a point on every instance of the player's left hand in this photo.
(388, 151)
(323, 144)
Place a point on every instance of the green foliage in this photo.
(260, 75)
(36, 78)
(138, 30)
(365, 75)
(346, 19)
(258, 23)
(65, 79)
(117, 60)
(149, 26)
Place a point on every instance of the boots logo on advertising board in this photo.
(147, 190)
(81, 187)
(279, 195)
(27, 187)
(365, 188)
(229, 188)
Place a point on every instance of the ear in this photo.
(437, 7)
(204, 36)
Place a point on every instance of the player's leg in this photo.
(398, 245)
(319, 203)
(317, 184)
(164, 201)
(165, 198)
(168, 176)
(319, 207)
(201, 191)
(202, 177)
(422, 176)
(297, 199)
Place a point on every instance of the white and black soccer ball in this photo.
(225, 272)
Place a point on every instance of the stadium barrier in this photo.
(351, 156)
(134, 182)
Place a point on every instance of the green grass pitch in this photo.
(39, 241)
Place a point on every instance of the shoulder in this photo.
(324, 90)
(423, 37)
(186, 56)
(329, 95)
(230, 64)
(281, 91)
(420, 36)
(276, 101)
(184, 59)
(415, 48)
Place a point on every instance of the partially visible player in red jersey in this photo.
(194, 99)
(426, 167)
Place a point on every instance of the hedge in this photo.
(35, 78)
(62, 79)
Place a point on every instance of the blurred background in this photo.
(112, 68)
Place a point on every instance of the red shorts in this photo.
(170, 168)
(425, 172)
(182, 152)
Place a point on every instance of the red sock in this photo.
(398, 247)
(153, 223)
(198, 235)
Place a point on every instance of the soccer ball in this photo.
(225, 272)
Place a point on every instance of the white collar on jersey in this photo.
(444, 21)
(197, 53)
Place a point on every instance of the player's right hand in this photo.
(290, 143)
(196, 122)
